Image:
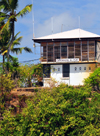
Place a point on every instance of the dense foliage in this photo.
(58, 112)
(30, 74)
(94, 79)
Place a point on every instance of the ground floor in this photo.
(71, 74)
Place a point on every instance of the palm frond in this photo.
(2, 19)
(27, 49)
(3, 53)
(5, 5)
(16, 35)
(6, 25)
(13, 4)
(16, 42)
(25, 10)
(17, 50)
(1, 7)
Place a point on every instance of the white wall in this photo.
(57, 75)
(76, 77)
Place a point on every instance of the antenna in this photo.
(52, 26)
(79, 28)
(33, 19)
(61, 27)
(33, 28)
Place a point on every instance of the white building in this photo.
(69, 56)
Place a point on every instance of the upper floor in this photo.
(82, 50)
(71, 46)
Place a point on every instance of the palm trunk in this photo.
(3, 63)
(11, 41)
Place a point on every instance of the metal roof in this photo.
(72, 34)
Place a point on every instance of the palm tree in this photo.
(9, 14)
(13, 49)
(4, 38)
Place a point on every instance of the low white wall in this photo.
(76, 77)
(57, 74)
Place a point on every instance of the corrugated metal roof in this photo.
(76, 33)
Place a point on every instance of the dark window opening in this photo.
(58, 69)
(53, 69)
(79, 68)
(46, 71)
(89, 68)
(66, 70)
(75, 68)
(63, 51)
(84, 68)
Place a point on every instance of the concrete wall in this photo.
(58, 75)
(76, 77)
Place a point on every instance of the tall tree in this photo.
(4, 38)
(8, 12)
(17, 50)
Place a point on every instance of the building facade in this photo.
(69, 57)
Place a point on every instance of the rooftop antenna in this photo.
(52, 26)
(33, 28)
(61, 27)
(79, 28)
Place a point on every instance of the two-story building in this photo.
(69, 56)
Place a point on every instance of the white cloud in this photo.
(65, 20)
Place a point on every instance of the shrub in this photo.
(29, 73)
(94, 80)
(6, 83)
(58, 112)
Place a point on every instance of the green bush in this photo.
(94, 80)
(29, 73)
(6, 83)
(58, 112)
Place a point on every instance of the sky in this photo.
(65, 15)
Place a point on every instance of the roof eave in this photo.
(65, 39)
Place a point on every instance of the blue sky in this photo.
(64, 12)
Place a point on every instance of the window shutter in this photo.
(66, 70)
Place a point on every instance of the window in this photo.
(71, 49)
(50, 52)
(84, 68)
(84, 51)
(57, 52)
(79, 68)
(89, 68)
(78, 50)
(53, 69)
(75, 68)
(64, 51)
(46, 71)
(66, 70)
(58, 69)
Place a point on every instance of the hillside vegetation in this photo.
(57, 111)
(61, 111)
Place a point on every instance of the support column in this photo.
(60, 50)
(67, 49)
(47, 51)
(88, 49)
(81, 50)
(74, 49)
